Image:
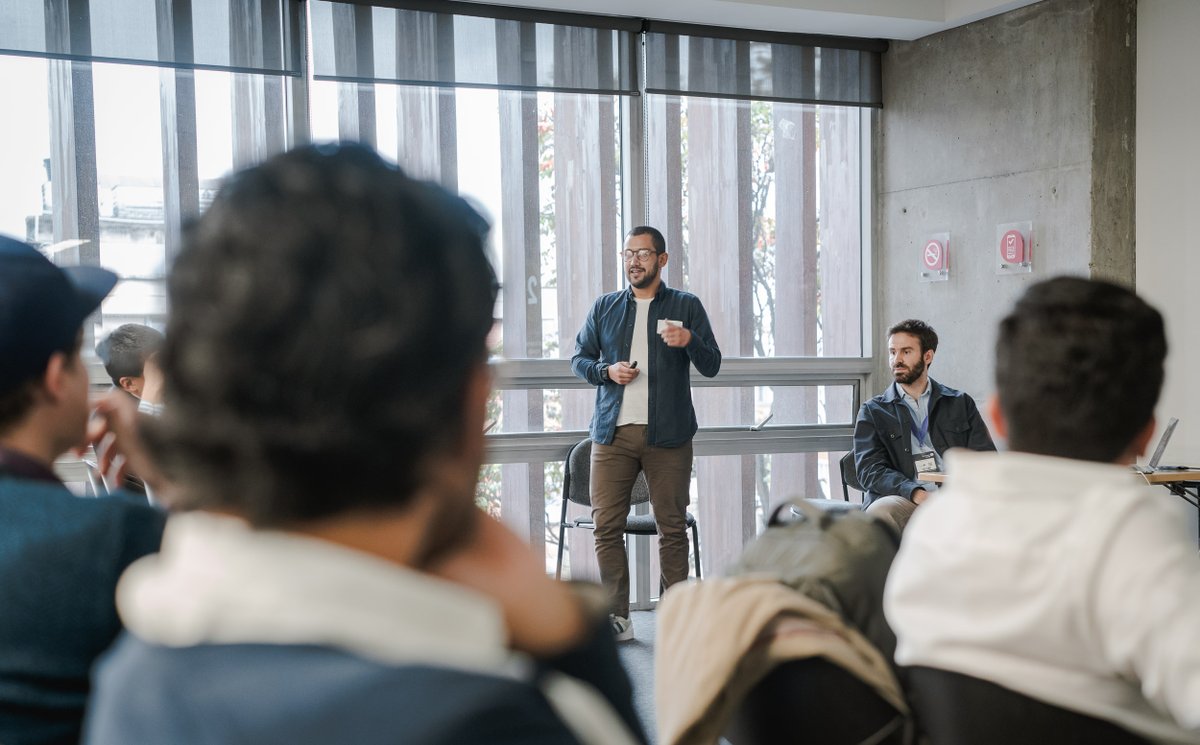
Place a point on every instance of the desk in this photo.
(1183, 484)
(1166, 478)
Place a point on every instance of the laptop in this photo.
(1153, 465)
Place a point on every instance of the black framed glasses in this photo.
(640, 254)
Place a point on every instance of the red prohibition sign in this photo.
(932, 256)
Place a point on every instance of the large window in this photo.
(746, 148)
(746, 152)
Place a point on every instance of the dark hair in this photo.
(17, 401)
(1079, 366)
(923, 331)
(656, 238)
(124, 352)
(327, 316)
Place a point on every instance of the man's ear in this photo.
(662, 259)
(928, 357)
(54, 381)
(131, 384)
(999, 423)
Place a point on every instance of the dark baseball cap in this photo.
(42, 307)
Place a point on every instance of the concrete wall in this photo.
(1168, 200)
(1024, 116)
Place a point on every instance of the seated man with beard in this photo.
(906, 429)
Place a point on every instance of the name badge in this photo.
(925, 462)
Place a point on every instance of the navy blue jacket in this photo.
(883, 443)
(606, 337)
(285, 694)
(60, 557)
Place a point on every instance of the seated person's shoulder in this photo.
(167, 691)
(121, 519)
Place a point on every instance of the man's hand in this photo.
(544, 616)
(113, 430)
(675, 336)
(621, 373)
(153, 377)
(918, 496)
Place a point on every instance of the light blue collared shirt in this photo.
(919, 408)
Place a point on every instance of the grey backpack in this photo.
(838, 557)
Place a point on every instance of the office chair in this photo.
(813, 700)
(577, 473)
(849, 476)
(953, 708)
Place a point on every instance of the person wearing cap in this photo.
(60, 555)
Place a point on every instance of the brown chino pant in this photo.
(669, 475)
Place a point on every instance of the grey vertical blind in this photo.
(456, 44)
(690, 60)
(201, 33)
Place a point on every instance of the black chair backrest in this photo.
(577, 477)
(850, 473)
(814, 701)
(953, 708)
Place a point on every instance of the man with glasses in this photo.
(637, 346)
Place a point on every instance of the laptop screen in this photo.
(1162, 443)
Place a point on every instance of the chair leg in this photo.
(562, 529)
(696, 549)
(845, 492)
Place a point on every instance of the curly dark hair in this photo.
(327, 315)
(923, 331)
(1079, 367)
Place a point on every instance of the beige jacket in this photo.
(750, 624)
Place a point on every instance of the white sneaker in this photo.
(622, 628)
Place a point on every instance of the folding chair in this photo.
(577, 488)
(849, 476)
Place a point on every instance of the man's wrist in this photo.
(603, 371)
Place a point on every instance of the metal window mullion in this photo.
(804, 438)
(177, 103)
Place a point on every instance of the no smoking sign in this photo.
(934, 255)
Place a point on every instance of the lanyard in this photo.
(922, 432)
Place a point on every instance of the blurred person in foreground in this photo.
(60, 555)
(326, 379)
(1053, 570)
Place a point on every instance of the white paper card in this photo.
(664, 322)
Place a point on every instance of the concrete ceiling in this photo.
(880, 19)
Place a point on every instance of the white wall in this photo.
(1168, 202)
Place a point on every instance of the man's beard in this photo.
(912, 375)
(450, 528)
(648, 276)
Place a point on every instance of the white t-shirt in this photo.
(635, 405)
(1068, 581)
